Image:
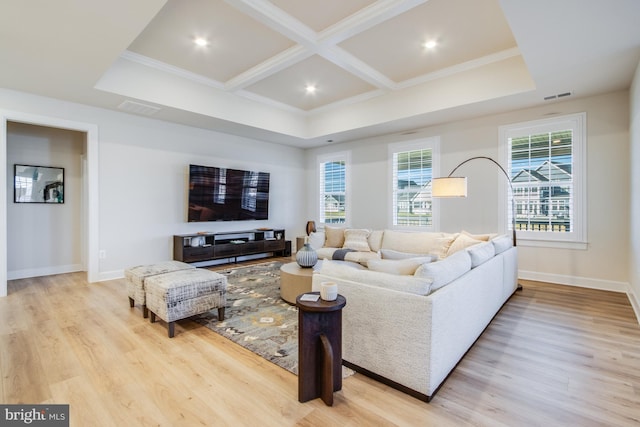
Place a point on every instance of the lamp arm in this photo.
(506, 175)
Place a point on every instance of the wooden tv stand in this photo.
(229, 244)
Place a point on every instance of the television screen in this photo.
(221, 194)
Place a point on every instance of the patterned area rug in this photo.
(256, 317)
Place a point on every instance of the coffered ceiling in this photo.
(366, 59)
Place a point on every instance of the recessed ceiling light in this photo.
(311, 89)
(430, 44)
(201, 41)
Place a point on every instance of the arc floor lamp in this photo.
(456, 186)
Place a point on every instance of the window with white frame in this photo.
(546, 162)
(333, 178)
(413, 165)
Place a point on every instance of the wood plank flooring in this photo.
(553, 356)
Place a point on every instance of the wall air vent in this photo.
(560, 95)
(138, 108)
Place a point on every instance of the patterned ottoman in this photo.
(181, 294)
(136, 278)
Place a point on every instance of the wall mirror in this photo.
(38, 184)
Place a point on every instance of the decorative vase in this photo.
(306, 257)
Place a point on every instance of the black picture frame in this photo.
(38, 184)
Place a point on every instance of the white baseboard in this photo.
(44, 271)
(110, 275)
(635, 303)
(585, 282)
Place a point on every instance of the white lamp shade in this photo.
(453, 186)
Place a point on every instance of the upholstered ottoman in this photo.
(185, 293)
(136, 277)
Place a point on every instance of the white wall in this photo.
(42, 238)
(604, 264)
(634, 193)
(142, 178)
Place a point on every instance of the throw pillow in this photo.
(481, 253)
(316, 239)
(404, 267)
(461, 242)
(502, 243)
(356, 239)
(483, 237)
(334, 237)
(445, 271)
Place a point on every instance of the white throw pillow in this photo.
(502, 243)
(316, 239)
(356, 239)
(397, 266)
(481, 253)
(461, 242)
(483, 237)
(445, 271)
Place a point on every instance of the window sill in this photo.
(556, 244)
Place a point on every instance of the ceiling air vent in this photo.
(560, 95)
(138, 108)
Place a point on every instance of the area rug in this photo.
(256, 317)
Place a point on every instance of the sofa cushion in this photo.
(334, 236)
(391, 254)
(410, 284)
(481, 253)
(361, 257)
(445, 271)
(356, 239)
(397, 266)
(461, 242)
(502, 243)
(375, 240)
(419, 242)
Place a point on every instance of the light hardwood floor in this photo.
(553, 356)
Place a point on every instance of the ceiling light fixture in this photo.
(202, 42)
(311, 89)
(430, 44)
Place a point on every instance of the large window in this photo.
(333, 174)
(412, 169)
(546, 163)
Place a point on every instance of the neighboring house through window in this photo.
(333, 177)
(413, 165)
(546, 162)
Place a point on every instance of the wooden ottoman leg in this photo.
(171, 328)
(145, 311)
(153, 317)
(132, 303)
(220, 314)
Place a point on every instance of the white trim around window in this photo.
(433, 144)
(576, 238)
(345, 204)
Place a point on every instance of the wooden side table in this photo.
(295, 280)
(319, 348)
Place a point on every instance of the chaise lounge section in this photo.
(410, 328)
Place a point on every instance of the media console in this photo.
(229, 244)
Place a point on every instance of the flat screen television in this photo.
(221, 194)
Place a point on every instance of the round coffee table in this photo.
(295, 280)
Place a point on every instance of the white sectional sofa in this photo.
(408, 321)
